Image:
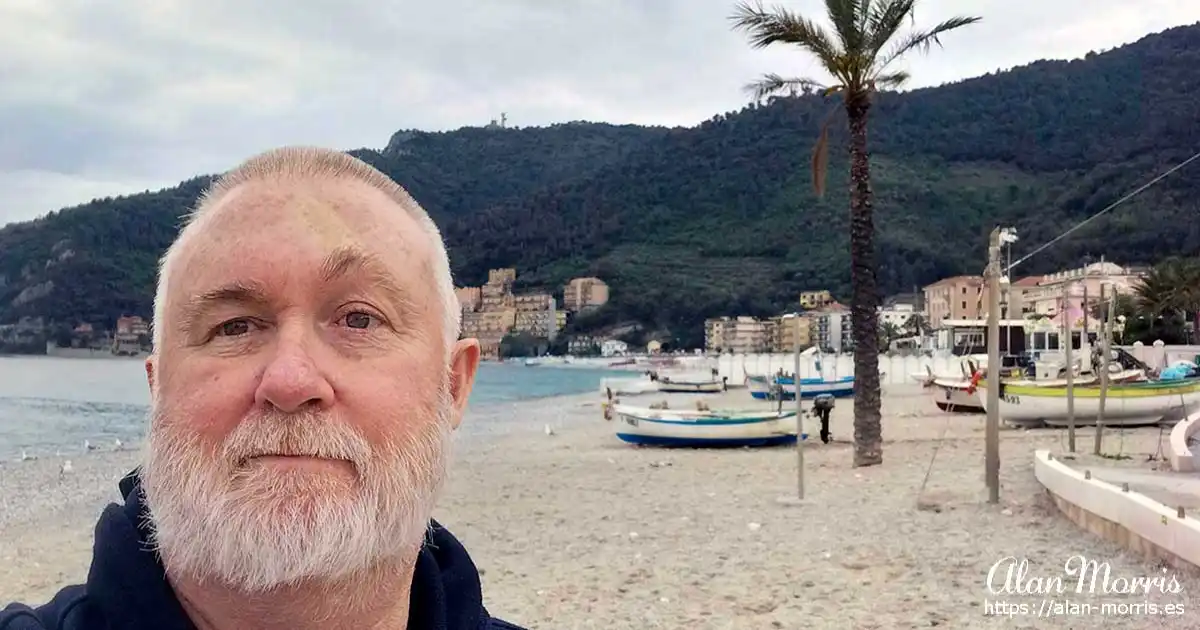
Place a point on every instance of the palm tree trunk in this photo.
(864, 318)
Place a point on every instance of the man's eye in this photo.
(358, 319)
(234, 328)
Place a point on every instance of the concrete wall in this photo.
(1181, 455)
(1129, 519)
(895, 370)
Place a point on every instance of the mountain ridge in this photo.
(719, 218)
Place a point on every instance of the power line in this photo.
(1110, 207)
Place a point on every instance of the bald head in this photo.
(290, 167)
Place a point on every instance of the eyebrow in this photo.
(238, 292)
(339, 264)
(347, 261)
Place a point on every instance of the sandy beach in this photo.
(579, 530)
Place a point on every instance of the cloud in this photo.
(98, 100)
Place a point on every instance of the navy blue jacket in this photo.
(126, 588)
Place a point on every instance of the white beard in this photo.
(256, 530)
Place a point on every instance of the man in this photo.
(306, 379)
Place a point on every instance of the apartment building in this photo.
(470, 299)
(785, 331)
(489, 327)
(536, 314)
(810, 300)
(496, 294)
(831, 329)
(742, 335)
(960, 297)
(1045, 297)
(584, 293)
(1020, 297)
(897, 315)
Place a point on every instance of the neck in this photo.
(377, 599)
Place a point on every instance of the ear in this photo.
(151, 366)
(464, 364)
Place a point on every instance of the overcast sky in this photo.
(98, 100)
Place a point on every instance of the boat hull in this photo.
(760, 388)
(691, 388)
(1127, 404)
(812, 387)
(699, 429)
(954, 396)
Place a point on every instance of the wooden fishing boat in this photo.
(813, 387)
(957, 394)
(695, 428)
(760, 387)
(690, 386)
(1127, 404)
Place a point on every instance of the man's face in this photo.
(303, 395)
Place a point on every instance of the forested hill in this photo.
(688, 223)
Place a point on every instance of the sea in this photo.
(52, 405)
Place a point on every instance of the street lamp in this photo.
(995, 276)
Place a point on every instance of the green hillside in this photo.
(689, 223)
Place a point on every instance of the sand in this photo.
(579, 530)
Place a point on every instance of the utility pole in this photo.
(1070, 360)
(799, 420)
(992, 436)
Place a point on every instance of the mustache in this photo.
(303, 434)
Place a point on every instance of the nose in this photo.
(292, 379)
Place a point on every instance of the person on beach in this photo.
(306, 380)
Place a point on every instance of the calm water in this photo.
(47, 404)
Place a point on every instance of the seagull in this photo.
(26, 456)
(549, 431)
(64, 469)
(87, 445)
(117, 444)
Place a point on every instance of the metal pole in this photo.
(1106, 349)
(992, 436)
(799, 427)
(1066, 327)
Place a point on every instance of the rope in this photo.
(929, 469)
(1110, 207)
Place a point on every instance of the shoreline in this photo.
(578, 528)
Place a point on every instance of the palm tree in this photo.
(858, 54)
(1172, 288)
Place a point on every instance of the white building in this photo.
(613, 348)
(896, 315)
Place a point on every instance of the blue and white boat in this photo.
(813, 387)
(760, 387)
(690, 428)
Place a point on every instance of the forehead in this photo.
(272, 225)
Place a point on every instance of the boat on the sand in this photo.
(1127, 404)
(704, 428)
(785, 387)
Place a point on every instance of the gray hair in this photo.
(313, 162)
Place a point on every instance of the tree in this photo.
(1169, 293)
(858, 55)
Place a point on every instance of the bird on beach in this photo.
(64, 469)
(549, 430)
(26, 456)
(88, 446)
(117, 444)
